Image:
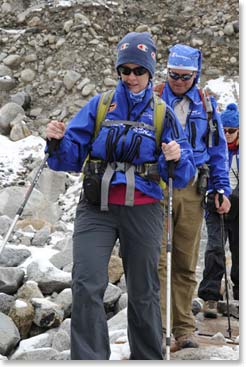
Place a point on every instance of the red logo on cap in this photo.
(124, 46)
(153, 55)
(142, 47)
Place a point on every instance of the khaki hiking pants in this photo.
(187, 223)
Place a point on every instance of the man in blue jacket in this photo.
(205, 134)
(121, 199)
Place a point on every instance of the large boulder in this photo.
(37, 206)
(7, 114)
(51, 183)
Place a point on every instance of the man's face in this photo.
(180, 86)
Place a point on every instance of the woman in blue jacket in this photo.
(120, 199)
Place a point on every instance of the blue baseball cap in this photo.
(185, 57)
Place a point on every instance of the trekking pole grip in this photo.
(53, 145)
(220, 192)
(170, 168)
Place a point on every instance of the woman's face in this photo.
(231, 134)
(180, 86)
(135, 83)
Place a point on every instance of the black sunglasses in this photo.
(183, 77)
(230, 130)
(138, 71)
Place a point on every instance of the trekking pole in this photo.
(53, 144)
(169, 257)
(222, 228)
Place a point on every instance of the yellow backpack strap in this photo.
(159, 114)
(102, 109)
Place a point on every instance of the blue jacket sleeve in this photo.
(219, 158)
(75, 145)
(185, 168)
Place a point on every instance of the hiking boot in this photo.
(186, 341)
(210, 309)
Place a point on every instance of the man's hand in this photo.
(55, 130)
(225, 205)
(171, 151)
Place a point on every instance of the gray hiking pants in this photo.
(139, 230)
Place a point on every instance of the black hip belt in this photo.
(107, 169)
(145, 170)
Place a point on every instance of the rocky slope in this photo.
(55, 55)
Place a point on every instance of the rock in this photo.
(70, 78)
(22, 98)
(207, 353)
(219, 337)
(9, 334)
(115, 269)
(111, 295)
(39, 354)
(7, 83)
(10, 279)
(88, 89)
(6, 301)
(19, 131)
(43, 340)
(29, 290)
(50, 183)
(37, 224)
(22, 313)
(122, 283)
(27, 76)
(37, 206)
(64, 355)
(49, 278)
(5, 223)
(11, 257)
(229, 29)
(47, 313)
(12, 61)
(118, 321)
(7, 114)
(64, 300)
(61, 341)
(121, 303)
(41, 236)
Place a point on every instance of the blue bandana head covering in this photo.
(186, 58)
(137, 48)
(230, 117)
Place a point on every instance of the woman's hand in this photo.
(55, 130)
(171, 151)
